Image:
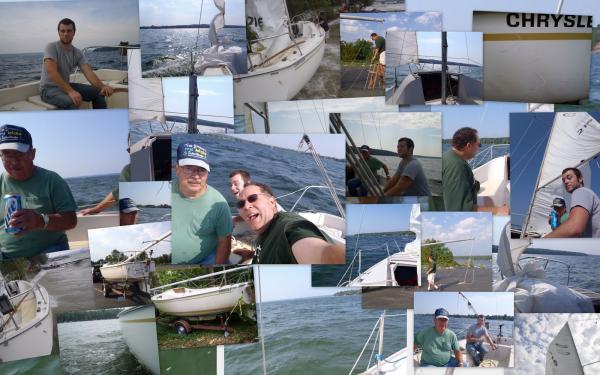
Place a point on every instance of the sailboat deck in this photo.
(593, 296)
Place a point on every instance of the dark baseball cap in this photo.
(190, 153)
(558, 202)
(441, 313)
(365, 147)
(14, 137)
(127, 205)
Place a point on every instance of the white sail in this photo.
(575, 138)
(270, 21)
(146, 97)
(217, 23)
(401, 48)
(415, 227)
(562, 357)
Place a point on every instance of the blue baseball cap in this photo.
(14, 137)
(441, 313)
(127, 205)
(190, 153)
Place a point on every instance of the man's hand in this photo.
(27, 220)
(89, 211)
(106, 90)
(75, 97)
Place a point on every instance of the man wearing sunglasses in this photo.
(284, 237)
(459, 185)
(201, 220)
(476, 334)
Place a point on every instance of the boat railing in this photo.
(303, 191)
(546, 261)
(485, 156)
(358, 259)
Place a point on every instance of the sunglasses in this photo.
(251, 199)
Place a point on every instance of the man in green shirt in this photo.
(459, 185)
(438, 343)
(355, 185)
(47, 204)
(201, 220)
(284, 237)
(379, 54)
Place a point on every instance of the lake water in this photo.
(167, 51)
(595, 78)
(19, 68)
(284, 170)
(315, 336)
(584, 270)
(90, 190)
(374, 250)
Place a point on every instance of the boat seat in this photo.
(23, 105)
(37, 100)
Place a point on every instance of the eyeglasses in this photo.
(192, 169)
(251, 199)
(14, 156)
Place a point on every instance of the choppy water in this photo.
(584, 270)
(460, 325)
(284, 170)
(96, 347)
(316, 335)
(19, 68)
(486, 153)
(90, 190)
(374, 250)
(168, 50)
(595, 78)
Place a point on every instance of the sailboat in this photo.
(27, 327)
(423, 86)
(534, 294)
(283, 56)
(397, 268)
(562, 356)
(130, 269)
(493, 178)
(203, 303)
(574, 141)
(138, 327)
(26, 97)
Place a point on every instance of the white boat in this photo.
(533, 293)
(422, 86)
(27, 325)
(562, 356)
(138, 327)
(129, 269)
(26, 97)
(494, 188)
(283, 58)
(396, 268)
(514, 55)
(204, 303)
(573, 142)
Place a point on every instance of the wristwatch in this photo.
(46, 219)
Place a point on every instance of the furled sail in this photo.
(574, 140)
(401, 48)
(562, 356)
(146, 98)
(269, 19)
(217, 23)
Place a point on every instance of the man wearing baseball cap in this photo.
(438, 343)
(560, 207)
(47, 204)
(127, 211)
(201, 218)
(355, 185)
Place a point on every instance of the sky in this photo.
(215, 101)
(529, 134)
(463, 47)
(29, 26)
(331, 145)
(382, 130)
(183, 12)
(377, 218)
(146, 192)
(535, 332)
(486, 303)
(297, 283)
(449, 226)
(457, 14)
(491, 119)
(352, 30)
(128, 238)
(76, 143)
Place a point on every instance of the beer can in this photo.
(12, 203)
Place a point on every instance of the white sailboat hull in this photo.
(394, 364)
(493, 180)
(120, 272)
(285, 77)
(26, 97)
(138, 326)
(34, 338)
(187, 302)
(334, 226)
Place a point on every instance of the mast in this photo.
(444, 65)
(192, 127)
